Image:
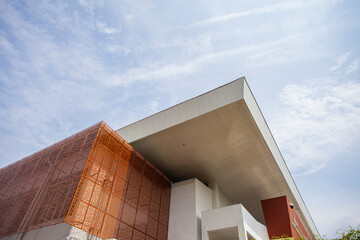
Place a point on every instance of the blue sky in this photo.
(65, 65)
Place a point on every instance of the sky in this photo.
(66, 65)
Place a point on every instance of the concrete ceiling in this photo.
(223, 146)
(219, 137)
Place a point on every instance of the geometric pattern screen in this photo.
(37, 190)
(93, 180)
(120, 194)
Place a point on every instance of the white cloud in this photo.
(154, 104)
(340, 61)
(189, 46)
(283, 54)
(103, 28)
(149, 73)
(129, 18)
(354, 65)
(316, 121)
(117, 48)
(158, 71)
(287, 5)
(5, 44)
(89, 5)
(48, 81)
(319, 119)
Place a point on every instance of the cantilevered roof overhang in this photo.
(220, 137)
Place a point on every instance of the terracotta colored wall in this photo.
(37, 191)
(277, 217)
(120, 195)
(281, 220)
(297, 228)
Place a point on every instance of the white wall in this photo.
(182, 217)
(219, 198)
(204, 201)
(224, 220)
(188, 199)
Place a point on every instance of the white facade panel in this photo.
(222, 221)
(188, 200)
(182, 216)
(204, 201)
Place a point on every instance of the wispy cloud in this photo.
(340, 61)
(284, 6)
(104, 28)
(150, 73)
(283, 55)
(159, 71)
(354, 65)
(154, 104)
(316, 121)
(254, 11)
(189, 46)
(46, 80)
(89, 5)
(5, 45)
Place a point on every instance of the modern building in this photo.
(205, 169)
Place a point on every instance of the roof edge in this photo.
(275, 151)
(189, 109)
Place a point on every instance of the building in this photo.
(205, 169)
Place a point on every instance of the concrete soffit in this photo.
(220, 136)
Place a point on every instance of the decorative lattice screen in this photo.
(37, 191)
(94, 181)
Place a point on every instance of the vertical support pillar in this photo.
(241, 231)
(204, 233)
(241, 226)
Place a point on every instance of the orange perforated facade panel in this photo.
(37, 191)
(94, 181)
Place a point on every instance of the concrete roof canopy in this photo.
(220, 137)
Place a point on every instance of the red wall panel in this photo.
(281, 220)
